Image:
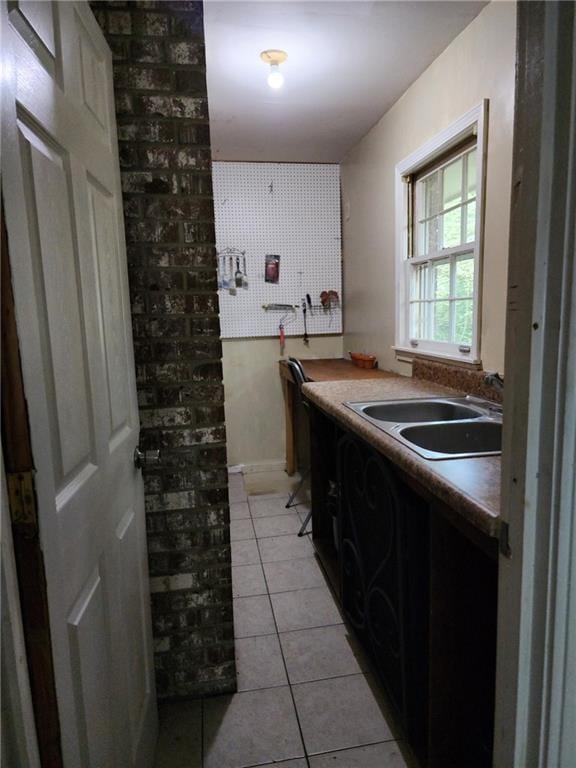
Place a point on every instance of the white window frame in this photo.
(472, 123)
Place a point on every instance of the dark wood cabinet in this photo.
(418, 591)
(383, 530)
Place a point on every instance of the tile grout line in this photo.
(278, 635)
(361, 673)
(283, 592)
(301, 682)
(285, 665)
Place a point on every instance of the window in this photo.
(438, 261)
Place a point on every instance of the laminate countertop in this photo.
(470, 487)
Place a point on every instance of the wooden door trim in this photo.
(18, 464)
(535, 704)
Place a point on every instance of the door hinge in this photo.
(504, 539)
(22, 498)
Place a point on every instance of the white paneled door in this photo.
(61, 186)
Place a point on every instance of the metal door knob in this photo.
(146, 458)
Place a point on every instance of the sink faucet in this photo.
(494, 380)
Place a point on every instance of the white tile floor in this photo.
(305, 698)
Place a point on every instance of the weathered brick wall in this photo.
(164, 144)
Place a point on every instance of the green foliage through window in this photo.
(441, 305)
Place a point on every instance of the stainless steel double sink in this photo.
(439, 428)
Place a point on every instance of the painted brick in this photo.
(168, 303)
(146, 396)
(186, 52)
(188, 24)
(190, 81)
(163, 280)
(190, 393)
(151, 24)
(209, 414)
(138, 303)
(198, 349)
(156, 157)
(166, 417)
(167, 157)
(123, 103)
(204, 326)
(201, 280)
(197, 256)
(179, 208)
(207, 372)
(119, 23)
(120, 48)
(202, 304)
(153, 483)
(128, 156)
(184, 438)
(151, 231)
(166, 501)
(172, 106)
(194, 134)
(198, 233)
(164, 148)
(168, 373)
(214, 634)
(143, 78)
(153, 327)
(141, 182)
(147, 51)
(199, 159)
(194, 478)
(132, 207)
(147, 130)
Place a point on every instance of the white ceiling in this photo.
(348, 62)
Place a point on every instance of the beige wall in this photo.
(253, 396)
(478, 64)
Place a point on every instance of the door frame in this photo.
(22, 541)
(18, 729)
(536, 671)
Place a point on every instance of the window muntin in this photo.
(441, 305)
(441, 281)
(445, 206)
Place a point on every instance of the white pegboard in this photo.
(288, 209)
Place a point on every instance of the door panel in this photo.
(35, 22)
(62, 193)
(138, 661)
(93, 70)
(58, 293)
(110, 295)
(91, 663)
(39, 17)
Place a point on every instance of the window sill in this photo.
(407, 354)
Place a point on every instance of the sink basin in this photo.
(411, 411)
(438, 427)
(462, 438)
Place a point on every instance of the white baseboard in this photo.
(274, 465)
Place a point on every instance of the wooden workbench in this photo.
(331, 369)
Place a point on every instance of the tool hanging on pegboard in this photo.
(292, 241)
(282, 328)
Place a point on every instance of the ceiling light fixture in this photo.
(274, 58)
